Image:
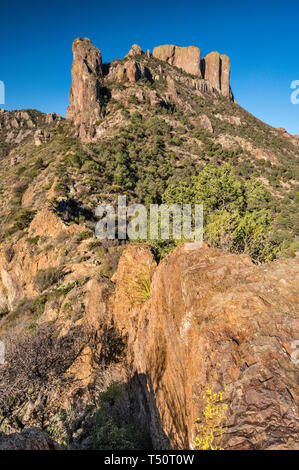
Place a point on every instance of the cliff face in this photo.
(217, 71)
(215, 319)
(214, 68)
(186, 58)
(85, 94)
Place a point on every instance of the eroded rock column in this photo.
(85, 93)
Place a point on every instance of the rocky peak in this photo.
(85, 94)
(185, 58)
(135, 50)
(286, 134)
(217, 70)
(90, 80)
(225, 75)
(214, 67)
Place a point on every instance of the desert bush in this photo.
(112, 349)
(22, 220)
(33, 240)
(238, 216)
(36, 364)
(46, 278)
(85, 235)
(139, 290)
(38, 306)
(109, 261)
(19, 189)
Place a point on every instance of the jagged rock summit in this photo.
(91, 78)
(85, 93)
(186, 58)
(135, 50)
(213, 67)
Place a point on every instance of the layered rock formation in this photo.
(214, 67)
(90, 79)
(85, 94)
(185, 58)
(217, 71)
(130, 70)
(40, 137)
(20, 127)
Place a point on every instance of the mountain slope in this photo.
(145, 128)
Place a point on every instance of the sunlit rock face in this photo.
(185, 58)
(216, 320)
(85, 94)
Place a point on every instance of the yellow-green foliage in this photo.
(138, 289)
(209, 429)
(142, 288)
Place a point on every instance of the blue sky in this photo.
(261, 38)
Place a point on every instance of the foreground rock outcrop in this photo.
(210, 320)
(29, 439)
(215, 319)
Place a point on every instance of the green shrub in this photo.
(111, 433)
(33, 240)
(22, 221)
(238, 217)
(85, 235)
(38, 306)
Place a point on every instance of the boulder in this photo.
(132, 71)
(216, 321)
(52, 118)
(205, 122)
(28, 439)
(41, 136)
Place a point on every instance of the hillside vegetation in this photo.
(78, 313)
